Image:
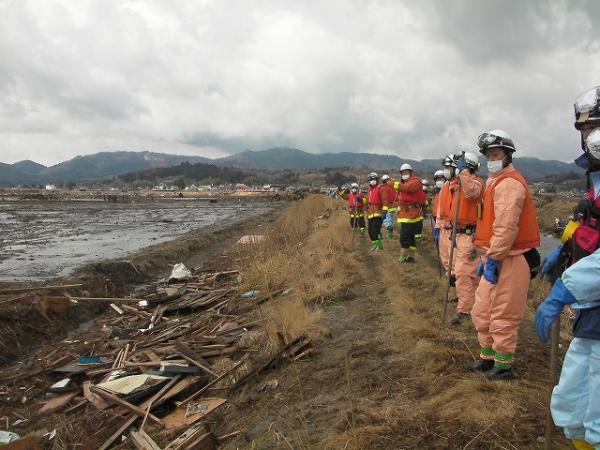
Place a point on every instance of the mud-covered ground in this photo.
(44, 239)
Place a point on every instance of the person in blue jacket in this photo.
(575, 402)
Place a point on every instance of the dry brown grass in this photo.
(550, 207)
(307, 253)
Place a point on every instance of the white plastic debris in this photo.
(180, 273)
(6, 437)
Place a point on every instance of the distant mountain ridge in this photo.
(111, 164)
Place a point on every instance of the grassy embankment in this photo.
(385, 374)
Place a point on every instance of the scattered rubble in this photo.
(145, 371)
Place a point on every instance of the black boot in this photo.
(481, 365)
(499, 373)
(458, 318)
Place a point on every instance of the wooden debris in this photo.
(57, 403)
(142, 441)
(192, 412)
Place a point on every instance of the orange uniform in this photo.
(507, 229)
(466, 258)
(410, 200)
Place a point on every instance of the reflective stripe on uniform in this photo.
(404, 220)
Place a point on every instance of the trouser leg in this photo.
(444, 248)
(465, 262)
(508, 306)
(480, 315)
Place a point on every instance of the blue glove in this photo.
(549, 311)
(436, 236)
(383, 215)
(551, 259)
(479, 270)
(461, 164)
(490, 273)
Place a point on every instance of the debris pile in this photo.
(150, 370)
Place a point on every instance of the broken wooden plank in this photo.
(191, 357)
(57, 403)
(187, 415)
(119, 401)
(142, 441)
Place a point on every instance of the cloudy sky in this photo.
(214, 77)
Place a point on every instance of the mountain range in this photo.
(105, 165)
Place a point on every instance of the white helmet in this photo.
(372, 176)
(354, 186)
(495, 138)
(438, 174)
(384, 178)
(471, 160)
(405, 166)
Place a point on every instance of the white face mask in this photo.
(439, 184)
(494, 166)
(354, 190)
(373, 182)
(448, 174)
(405, 177)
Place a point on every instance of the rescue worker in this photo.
(507, 234)
(375, 212)
(466, 258)
(443, 219)
(438, 181)
(410, 211)
(356, 207)
(575, 402)
(389, 206)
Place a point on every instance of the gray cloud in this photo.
(411, 78)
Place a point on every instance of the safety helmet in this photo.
(438, 174)
(495, 139)
(354, 186)
(471, 160)
(449, 161)
(372, 176)
(587, 108)
(405, 166)
(384, 178)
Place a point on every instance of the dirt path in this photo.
(386, 377)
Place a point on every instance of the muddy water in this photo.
(40, 240)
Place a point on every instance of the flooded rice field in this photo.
(45, 239)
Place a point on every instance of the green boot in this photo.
(390, 233)
(374, 245)
(362, 231)
(380, 244)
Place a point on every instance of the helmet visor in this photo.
(486, 139)
(587, 101)
(592, 143)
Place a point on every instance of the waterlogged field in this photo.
(45, 239)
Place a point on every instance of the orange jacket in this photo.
(445, 201)
(470, 198)
(410, 199)
(374, 200)
(389, 195)
(508, 223)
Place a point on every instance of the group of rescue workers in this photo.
(486, 234)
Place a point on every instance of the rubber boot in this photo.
(374, 246)
(578, 444)
(500, 373)
(390, 233)
(362, 231)
(481, 365)
(380, 244)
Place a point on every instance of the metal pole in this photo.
(452, 246)
(553, 380)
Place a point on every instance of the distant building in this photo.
(50, 187)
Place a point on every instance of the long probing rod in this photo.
(553, 378)
(452, 247)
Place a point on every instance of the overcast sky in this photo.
(412, 78)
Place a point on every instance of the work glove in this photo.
(436, 236)
(490, 273)
(549, 311)
(551, 260)
(383, 215)
(461, 164)
(479, 270)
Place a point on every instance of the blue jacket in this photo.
(583, 281)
